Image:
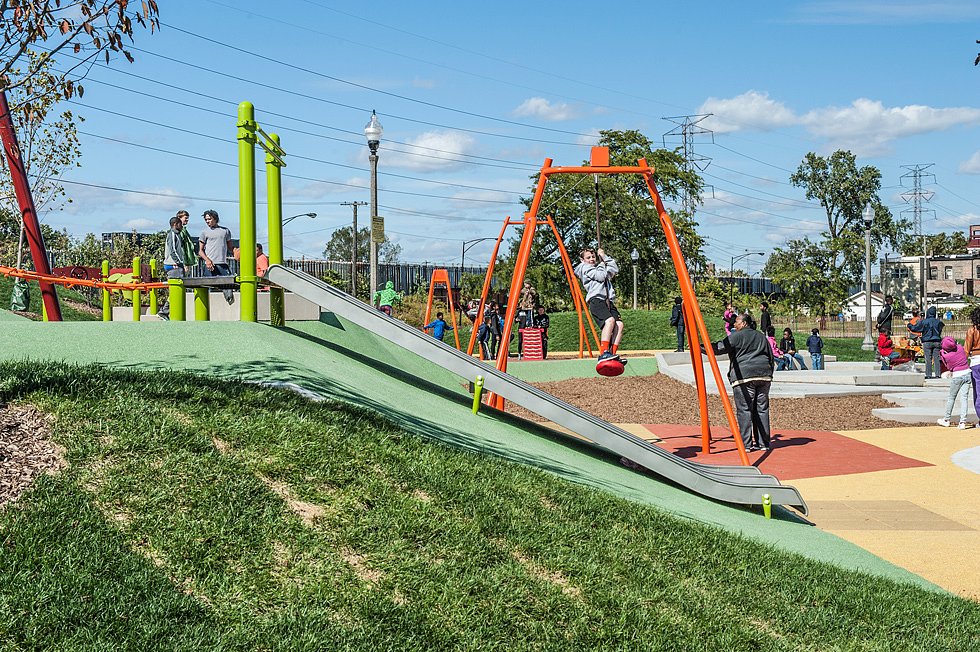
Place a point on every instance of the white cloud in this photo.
(590, 140)
(866, 127)
(971, 165)
(538, 107)
(85, 199)
(751, 110)
(142, 224)
(320, 189)
(423, 83)
(434, 150)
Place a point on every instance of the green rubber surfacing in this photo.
(342, 361)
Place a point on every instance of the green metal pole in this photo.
(247, 279)
(153, 293)
(477, 393)
(136, 293)
(273, 183)
(106, 296)
(202, 304)
(178, 305)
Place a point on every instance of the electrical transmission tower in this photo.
(685, 131)
(916, 196)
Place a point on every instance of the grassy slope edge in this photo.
(184, 522)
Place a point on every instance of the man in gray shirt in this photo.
(214, 245)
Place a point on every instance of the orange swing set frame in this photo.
(531, 223)
(692, 311)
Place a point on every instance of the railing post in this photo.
(178, 304)
(153, 293)
(202, 304)
(106, 295)
(136, 293)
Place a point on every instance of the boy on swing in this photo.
(597, 270)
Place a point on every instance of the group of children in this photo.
(785, 351)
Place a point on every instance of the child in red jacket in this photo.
(886, 349)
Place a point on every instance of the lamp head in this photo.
(373, 132)
(635, 256)
(869, 216)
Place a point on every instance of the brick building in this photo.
(943, 280)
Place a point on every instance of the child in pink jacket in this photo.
(954, 357)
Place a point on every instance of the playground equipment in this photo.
(692, 312)
(731, 484)
(441, 277)
(530, 224)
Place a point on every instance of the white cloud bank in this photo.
(866, 127)
(432, 151)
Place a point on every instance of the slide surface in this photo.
(732, 484)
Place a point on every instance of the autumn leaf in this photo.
(65, 26)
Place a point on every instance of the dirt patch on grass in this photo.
(26, 450)
(306, 511)
(660, 399)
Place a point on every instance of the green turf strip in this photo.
(344, 362)
(179, 524)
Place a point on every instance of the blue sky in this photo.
(473, 98)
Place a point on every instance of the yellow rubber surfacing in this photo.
(925, 519)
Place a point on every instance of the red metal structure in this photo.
(22, 188)
(692, 312)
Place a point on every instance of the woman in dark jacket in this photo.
(788, 346)
(750, 374)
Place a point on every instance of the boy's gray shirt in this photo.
(597, 278)
(214, 243)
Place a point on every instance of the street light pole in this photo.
(353, 255)
(869, 216)
(373, 132)
(467, 245)
(635, 256)
(731, 271)
(290, 219)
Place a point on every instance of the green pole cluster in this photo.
(106, 296)
(202, 304)
(136, 292)
(273, 182)
(248, 281)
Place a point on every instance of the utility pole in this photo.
(916, 196)
(353, 258)
(687, 128)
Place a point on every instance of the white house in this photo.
(856, 305)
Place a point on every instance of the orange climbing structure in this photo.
(441, 277)
(692, 312)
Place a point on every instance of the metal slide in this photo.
(731, 484)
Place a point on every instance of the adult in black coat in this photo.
(677, 321)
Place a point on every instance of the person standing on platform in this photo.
(765, 319)
(677, 321)
(543, 322)
(213, 247)
(187, 246)
(885, 316)
(173, 260)
(931, 330)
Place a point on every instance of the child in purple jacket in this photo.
(954, 357)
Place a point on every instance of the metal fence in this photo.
(407, 277)
(836, 328)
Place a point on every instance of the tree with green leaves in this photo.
(940, 244)
(628, 219)
(339, 247)
(818, 273)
